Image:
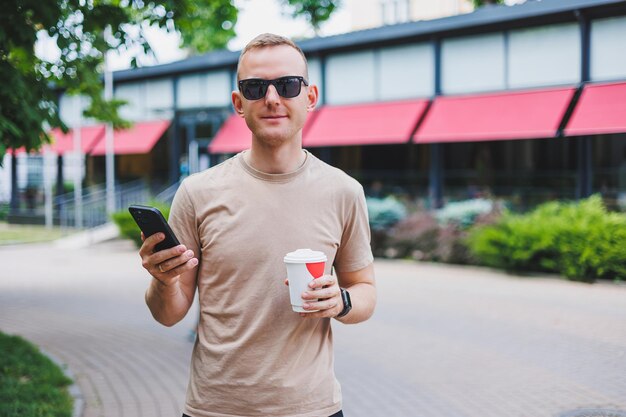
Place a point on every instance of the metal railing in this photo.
(167, 195)
(94, 203)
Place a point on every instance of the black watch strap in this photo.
(347, 303)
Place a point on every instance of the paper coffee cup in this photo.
(303, 266)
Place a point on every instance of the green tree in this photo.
(479, 3)
(315, 12)
(28, 98)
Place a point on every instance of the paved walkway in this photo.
(444, 342)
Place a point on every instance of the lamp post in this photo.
(108, 137)
(48, 179)
(78, 172)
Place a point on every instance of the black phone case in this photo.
(151, 221)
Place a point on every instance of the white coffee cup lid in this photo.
(305, 255)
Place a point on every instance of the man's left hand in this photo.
(324, 295)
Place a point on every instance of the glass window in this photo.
(135, 96)
(350, 78)
(473, 64)
(608, 48)
(547, 55)
(394, 11)
(406, 72)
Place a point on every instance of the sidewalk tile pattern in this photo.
(445, 341)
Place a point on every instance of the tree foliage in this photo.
(480, 3)
(315, 12)
(83, 31)
(28, 99)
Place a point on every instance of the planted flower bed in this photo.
(581, 240)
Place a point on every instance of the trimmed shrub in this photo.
(4, 211)
(581, 241)
(464, 213)
(451, 247)
(384, 212)
(413, 237)
(127, 226)
(428, 236)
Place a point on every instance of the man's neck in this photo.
(276, 160)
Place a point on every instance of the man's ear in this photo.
(237, 102)
(312, 96)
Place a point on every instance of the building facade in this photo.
(524, 102)
(367, 14)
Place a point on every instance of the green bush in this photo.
(127, 226)
(30, 383)
(4, 211)
(68, 187)
(582, 241)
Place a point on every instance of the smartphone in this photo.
(151, 221)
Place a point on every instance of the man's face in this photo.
(273, 119)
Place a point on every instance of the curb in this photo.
(88, 237)
(74, 389)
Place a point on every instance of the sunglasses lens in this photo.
(253, 89)
(288, 87)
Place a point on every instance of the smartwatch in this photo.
(347, 303)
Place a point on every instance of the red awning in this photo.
(234, 136)
(64, 142)
(139, 139)
(600, 109)
(503, 116)
(365, 124)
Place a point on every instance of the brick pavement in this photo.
(444, 342)
(85, 307)
(450, 341)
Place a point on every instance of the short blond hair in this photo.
(265, 40)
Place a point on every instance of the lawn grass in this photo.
(30, 383)
(11, 234)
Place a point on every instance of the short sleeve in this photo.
(355, 252)
(182, 220)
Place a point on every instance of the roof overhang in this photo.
(483, 20)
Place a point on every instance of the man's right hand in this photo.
(166, 265)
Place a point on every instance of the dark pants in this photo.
(337, 414)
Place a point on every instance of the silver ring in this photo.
(161, 269)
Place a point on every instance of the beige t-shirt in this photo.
(254, 356)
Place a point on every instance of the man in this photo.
(253, 355)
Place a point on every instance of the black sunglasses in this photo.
(287, 87)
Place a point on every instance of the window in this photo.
(394, 11)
